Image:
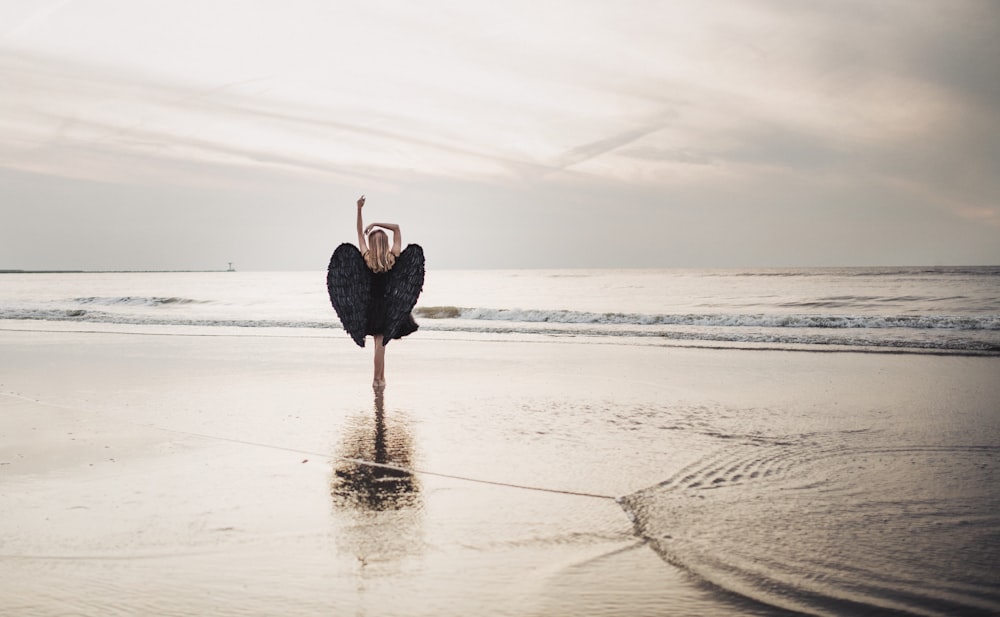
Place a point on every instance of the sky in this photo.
(141, 134)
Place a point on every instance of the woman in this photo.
(374, 286)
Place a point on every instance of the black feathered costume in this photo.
(375, 303)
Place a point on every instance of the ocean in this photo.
(857, 481)
(926, 310)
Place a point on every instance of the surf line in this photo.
(328, 457)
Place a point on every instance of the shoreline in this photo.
(214, 475)
(333, 331)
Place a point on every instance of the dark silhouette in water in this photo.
(383, 485)
(377, 505)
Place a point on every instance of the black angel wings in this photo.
(354, 292)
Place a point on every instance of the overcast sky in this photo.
(542, 133)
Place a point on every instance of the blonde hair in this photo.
(378, 257)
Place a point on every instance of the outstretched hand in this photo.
(361, 202)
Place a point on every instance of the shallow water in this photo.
(892, 510)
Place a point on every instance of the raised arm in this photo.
(397, 236)
(362, 245)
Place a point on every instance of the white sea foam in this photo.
(716, 330)
(988, 322)
(913, 308)
(134, 301)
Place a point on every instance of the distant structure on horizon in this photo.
(231, 268)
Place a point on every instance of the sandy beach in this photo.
(162, 474)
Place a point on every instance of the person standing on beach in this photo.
(374, 286)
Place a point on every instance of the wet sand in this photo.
(177, 475)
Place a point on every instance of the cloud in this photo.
(84, 108)
(37, 15)
(689, 111)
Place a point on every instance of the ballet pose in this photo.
(374, 286)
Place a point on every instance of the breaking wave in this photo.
(951, 334)
(135, 301)
(758, 320)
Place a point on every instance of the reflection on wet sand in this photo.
(378, 508)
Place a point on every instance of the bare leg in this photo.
(379, 362)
